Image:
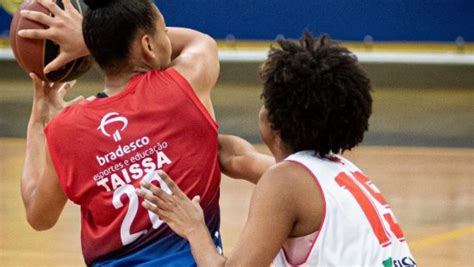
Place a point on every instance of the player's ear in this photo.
(147, 46)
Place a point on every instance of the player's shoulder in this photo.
(288, 188)
(286, 168)
(285, 175)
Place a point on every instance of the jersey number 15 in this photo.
(356, 186)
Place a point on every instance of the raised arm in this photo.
(195, 57)
(240, 160)
(274, 210)
(42, 195)
(194, 54)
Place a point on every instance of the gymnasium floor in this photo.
(430, 187)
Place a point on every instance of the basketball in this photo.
(33, 55)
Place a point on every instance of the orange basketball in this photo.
(33, 55)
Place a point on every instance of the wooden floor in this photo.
(431, 191)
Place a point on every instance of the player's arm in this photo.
(239, 159)
(272, 215)
(195, 57)
(42, 195)
(194, 53)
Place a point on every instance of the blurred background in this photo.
(419, 149)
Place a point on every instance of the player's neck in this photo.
(280, 156)
(115, 83)
(279, 151)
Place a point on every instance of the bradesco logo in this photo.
(113, 117)
(120, 123)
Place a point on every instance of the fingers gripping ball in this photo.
(34, 54)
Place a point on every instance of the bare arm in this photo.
(271, 218)
(272, 215)
(194, 54)
(42, 195)
(240, 160)
(195, 57)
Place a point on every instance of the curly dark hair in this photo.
(317, 95)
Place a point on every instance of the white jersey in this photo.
(358, 226)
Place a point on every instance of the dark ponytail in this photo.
(95, 4)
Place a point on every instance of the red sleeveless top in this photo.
(102, 149)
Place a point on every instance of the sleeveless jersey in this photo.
(358, 226)
(102, 149)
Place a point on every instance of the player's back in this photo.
(358, 227)
(102, 149)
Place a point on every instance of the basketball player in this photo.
(155, 112)
(314, 207)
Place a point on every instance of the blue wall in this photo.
(384, 20)
(5, 19)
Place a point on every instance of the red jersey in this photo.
(102, 149)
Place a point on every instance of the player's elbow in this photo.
(40, 223)
(211, 48)
(209, 41)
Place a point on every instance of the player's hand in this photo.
(64, 28)
(48, 99)
(184, 216)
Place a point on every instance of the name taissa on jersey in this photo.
(133, 168)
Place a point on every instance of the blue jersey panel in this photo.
(171, 251)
